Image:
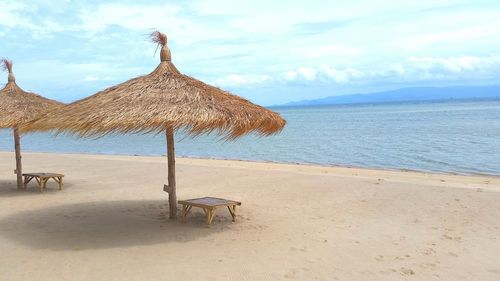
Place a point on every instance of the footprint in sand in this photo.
(388, 271)
(290, 274)
(180, 238)
(406, 271)
(429, 251)
(428, 265)
(379, 258)
(294, 249)
(447, 237)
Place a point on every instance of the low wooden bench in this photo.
(42, 178)
(209, 205)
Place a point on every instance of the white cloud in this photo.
(454, 64)
(342, 76)
(460, 35)
(16, 14)
(323, 72)
(143, 17)
(10, 15)
(241, 80)
(303, 72)
(90, 78)
(129, 16)
(330, 50)
(459, 68)
(307, 72)
(416, 69)
(93, 78)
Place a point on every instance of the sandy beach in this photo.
(297, 222)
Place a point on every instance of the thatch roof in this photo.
(163, 98)
(17, 106)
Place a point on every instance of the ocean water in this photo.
(451, 137)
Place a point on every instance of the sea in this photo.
(452, 136)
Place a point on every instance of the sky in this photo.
(270, 52)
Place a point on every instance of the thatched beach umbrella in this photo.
(162, 102)
(16, 108)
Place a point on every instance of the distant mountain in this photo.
(409, 94)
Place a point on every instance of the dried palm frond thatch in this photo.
(18, 107)
(163, 101)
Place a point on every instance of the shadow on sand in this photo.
(100, 225)
(8, 188)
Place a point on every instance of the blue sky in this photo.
(270, 52)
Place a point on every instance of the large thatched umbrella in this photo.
(16, 108)
(163, 101)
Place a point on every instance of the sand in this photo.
(297, 222)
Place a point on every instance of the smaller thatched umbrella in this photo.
(161, 102)
(16, 108)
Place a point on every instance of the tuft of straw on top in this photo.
(7, 65)
(161, 39)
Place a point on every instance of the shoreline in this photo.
(479, 182)
(382, 169)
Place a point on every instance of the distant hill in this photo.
(409, 94)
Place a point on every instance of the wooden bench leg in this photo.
(39, 182)
(185, 212)
(232, 210)
(59, 180)
(44, 183)
(27, 179)
(210, 216)
(25, 182)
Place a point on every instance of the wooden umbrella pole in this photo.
(172, 196)
(19, 168)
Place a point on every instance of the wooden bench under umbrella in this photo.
(209, 205)
(42, 179)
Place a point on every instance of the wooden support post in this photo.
(19, 168)
(172, 196)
